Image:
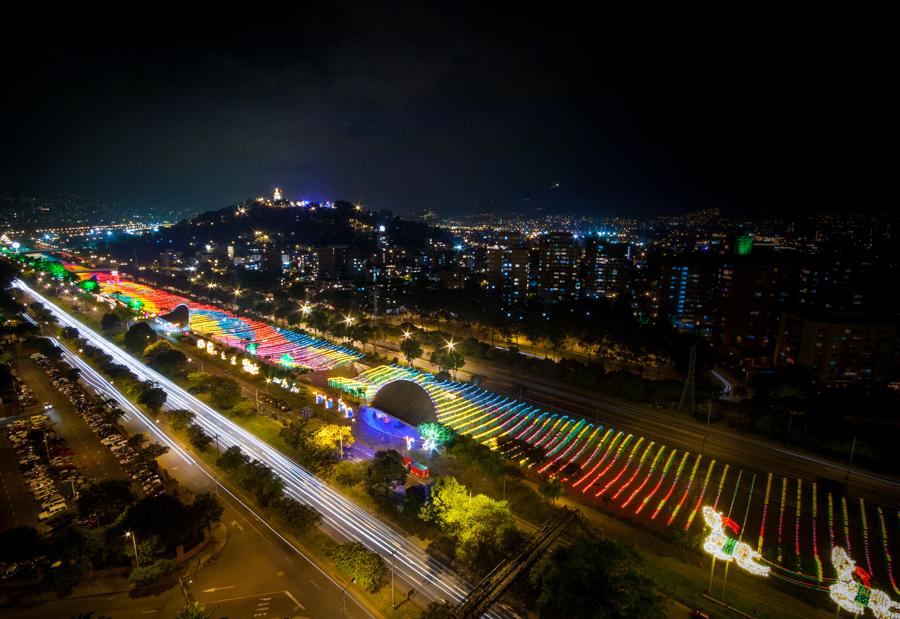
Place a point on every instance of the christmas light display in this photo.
(721, 484)
(865, 533)
(650, 472)
(637, 469)
(268, 343)
(631, 455)
(725, 548)
(887, 552)
(797, 519)
(846, 520)
(781, 519)
(712, 464)
(601, 450)
(815, 543)
(853, 591)
(687, 491)
(635, 473)
(662, 502)
(762, 524)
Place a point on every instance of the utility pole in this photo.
(393, 604)
(344, 598)
(850, 464)
(216, 439)
(689, 381)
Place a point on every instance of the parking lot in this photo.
(94, 424)
(90, 456)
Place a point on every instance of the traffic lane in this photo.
(268, 604)
(257, 563)
(19, 507)
(92, 458)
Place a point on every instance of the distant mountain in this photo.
(285, 223)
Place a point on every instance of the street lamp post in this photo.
(344, 597)
(137, 562)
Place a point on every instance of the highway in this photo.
(430, 577)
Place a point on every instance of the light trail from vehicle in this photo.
(430, 576)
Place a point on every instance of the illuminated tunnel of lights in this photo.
(268, 343)
(658, 485)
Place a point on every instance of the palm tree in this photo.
(551, 489)
(194, 611)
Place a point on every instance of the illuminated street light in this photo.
(348, 319)
(133, 537)
(306, 309)
(407, 335)
(450, 344)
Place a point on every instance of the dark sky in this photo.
(461, 111)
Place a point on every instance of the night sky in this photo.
(408, 108)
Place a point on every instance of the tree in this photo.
(19, 543)
(152, 397)
(169, 360)
(69, 333)
(367, 567)
(107, 499)
(298, 516)
(139, 336)
(111, 323)
(179, 418)
(198, 437)
(448, 360)
(153, 451)
(153, 573)
(481, 528)
(594, 577)
(386, 471)
(551, 489)
(439, 610)
(332, 436)
(232, 459)
(436, 433)
(195, 610)
(411, 349)
(206, 509)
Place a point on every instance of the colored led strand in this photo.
(846, 523)
(797, 519)
(887, 553)
(865, 533)
(604, 453)
(693, 513)
(612, 462)
(687, 491)
(762, 524)
(663, 501)
(737, 487)
(831, 520)
(638, 468)
(721, 483)
(815, 543)
(624, 468)
(781, 518)
(662, 476)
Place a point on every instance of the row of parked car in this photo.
(46, 463)
(98, 415)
